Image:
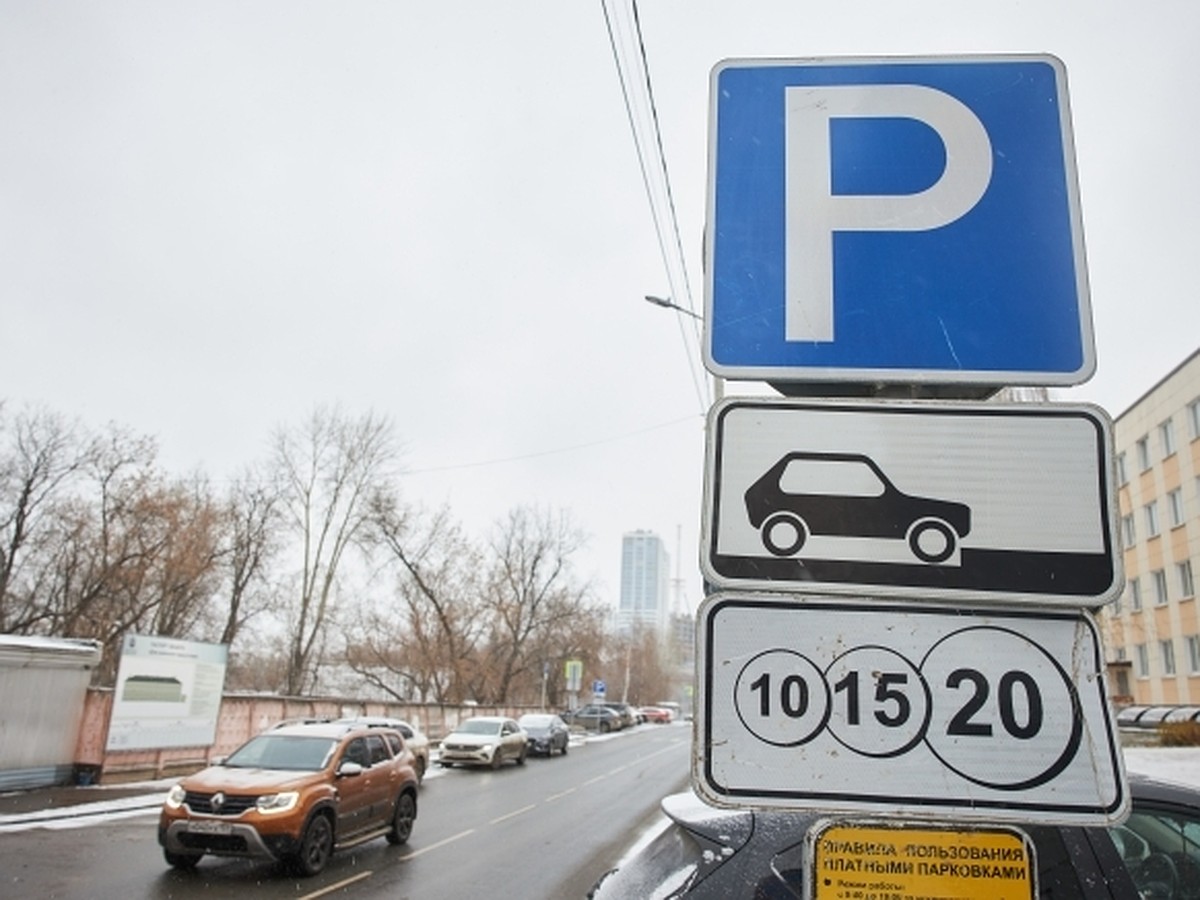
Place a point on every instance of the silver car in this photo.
(415, 739)
(485, 741)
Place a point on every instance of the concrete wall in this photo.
(241, 717)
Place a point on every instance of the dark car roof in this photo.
(1160, 790)
(728, 825)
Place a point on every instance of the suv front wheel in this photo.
(315, 845)
(402, 819)
(184, 861)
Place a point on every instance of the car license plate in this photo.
(204, 826)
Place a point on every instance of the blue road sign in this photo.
(906, 220)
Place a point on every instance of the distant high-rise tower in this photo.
(645, 580)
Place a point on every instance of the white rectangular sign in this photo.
(168, 693)
(953, 501)
(909, 711)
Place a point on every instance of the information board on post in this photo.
(168, 693)
(857, 860)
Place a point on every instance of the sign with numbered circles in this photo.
(911, 711)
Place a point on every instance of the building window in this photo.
(1187, 586)
(1167, 650)
(1135, 594)
(1166, 434)
(1194, 418)
(1175, 504)
(1128, 533)
(1160, 587)
(1122, 473)
(1193, 645)
(1143, 452)
(1151, 518)
(1141, 661)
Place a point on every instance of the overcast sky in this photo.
(216, 215)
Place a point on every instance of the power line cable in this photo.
(540, 453)
(643, 117)
(666, 178)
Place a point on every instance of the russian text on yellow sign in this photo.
(857, 862)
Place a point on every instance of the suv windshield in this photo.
(273, 751)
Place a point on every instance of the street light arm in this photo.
(667, 304)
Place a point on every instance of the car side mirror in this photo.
(349, 769)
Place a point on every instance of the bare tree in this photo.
(583, 636)
(532, 592)
(639, 658)
(330, 469)
(186, 529)
(39, 454)
(252, 516)
(428, 640)
(124, 550)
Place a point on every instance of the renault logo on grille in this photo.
(218, 800)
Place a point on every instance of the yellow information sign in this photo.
(859, 861)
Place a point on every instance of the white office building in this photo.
(645, 582)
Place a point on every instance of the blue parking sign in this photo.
(907, 220)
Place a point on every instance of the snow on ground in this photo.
(1178, 764)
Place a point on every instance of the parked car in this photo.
(414, 739)
(705, 852)
(294, 794)
(625, 711)
(655, 714)
(594, 718)
(672, 707)
(547, 733)
(484, 741)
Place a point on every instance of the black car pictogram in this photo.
(847, 494)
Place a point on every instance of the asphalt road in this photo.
(547, 829)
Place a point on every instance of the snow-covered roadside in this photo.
(1178, 764)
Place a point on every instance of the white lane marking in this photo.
(513, 814)
(441, 843)
(337, 886)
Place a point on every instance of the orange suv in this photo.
(294, 794)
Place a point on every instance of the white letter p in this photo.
(814, 212)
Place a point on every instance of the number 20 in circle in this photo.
(782, 698)
(1007, 718)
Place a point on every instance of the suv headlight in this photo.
(273, 803)
(176, 796)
